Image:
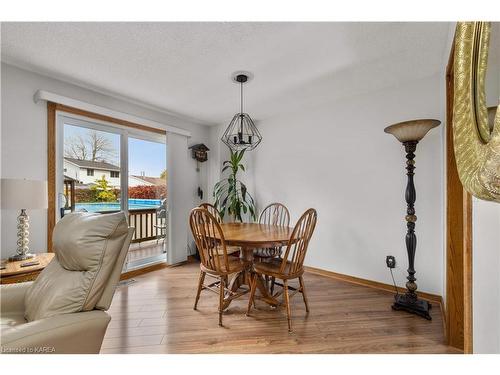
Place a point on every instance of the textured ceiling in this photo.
(185, 68)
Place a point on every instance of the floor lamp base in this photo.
(414, 306)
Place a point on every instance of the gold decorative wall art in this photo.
(476, 138)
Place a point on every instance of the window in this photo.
(115, 174)
(95, 150)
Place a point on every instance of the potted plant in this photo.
(231, 194)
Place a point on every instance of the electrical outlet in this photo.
(390, 261)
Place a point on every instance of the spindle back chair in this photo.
(273, 214)
(215, 261)
(290, 266)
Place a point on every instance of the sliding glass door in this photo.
(106, 168)
(147, 197)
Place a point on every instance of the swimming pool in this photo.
(133, 204)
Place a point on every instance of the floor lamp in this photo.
(410, 133)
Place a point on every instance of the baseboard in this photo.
(434, 298)
(151, 268)
(143, 270)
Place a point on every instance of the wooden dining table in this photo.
(250, 236)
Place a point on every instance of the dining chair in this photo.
(273, 214)
(215, 261)
(290, 266)
(231, 250)
(213, 210)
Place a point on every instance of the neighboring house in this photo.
(134, 180)
(87, 172)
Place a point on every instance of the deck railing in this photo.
(148, 226)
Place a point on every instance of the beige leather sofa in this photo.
(63, 310)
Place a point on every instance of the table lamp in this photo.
(20, 194)
(409, 133)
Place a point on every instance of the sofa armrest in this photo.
(12, 297)
(81, 332)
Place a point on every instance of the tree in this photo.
(75, 147)
(163, 174)
(102, 191)
(92, 146)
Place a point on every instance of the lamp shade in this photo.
(413, 130)
(19, 193)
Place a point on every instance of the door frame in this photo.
(458, 238)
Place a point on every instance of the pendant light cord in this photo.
(241, 97)
(241, 111)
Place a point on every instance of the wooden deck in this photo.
(155, 314)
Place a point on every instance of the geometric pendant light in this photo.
(241, 134)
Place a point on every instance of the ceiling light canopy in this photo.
(241, 134)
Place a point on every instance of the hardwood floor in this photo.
(155, 315)
(140, 251)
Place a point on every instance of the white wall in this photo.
(486, 246)
(217, 154)
(486, 276)
(24, 140)
(336, 158)
(1, 131)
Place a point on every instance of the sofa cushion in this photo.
(87, 247)
(11, 319)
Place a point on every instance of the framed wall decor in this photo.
(476, 117)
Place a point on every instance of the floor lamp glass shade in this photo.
(413, 130)
(20, 195)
